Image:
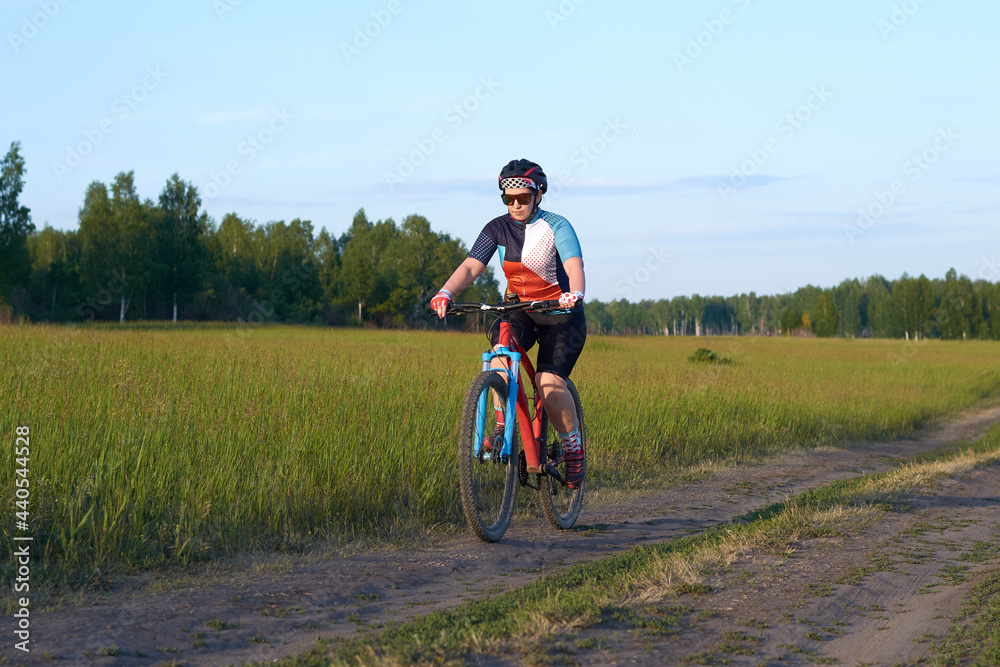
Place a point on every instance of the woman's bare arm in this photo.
(576, 275)
(466, 272)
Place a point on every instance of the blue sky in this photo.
(714, 147)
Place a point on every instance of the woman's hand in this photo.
(570, 299)
(440, 302)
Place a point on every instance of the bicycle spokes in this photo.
(487, 474)
(559, 501)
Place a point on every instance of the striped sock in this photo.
(571, 440)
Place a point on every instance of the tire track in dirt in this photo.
(260, 615)
(812, 609)
(917, 598)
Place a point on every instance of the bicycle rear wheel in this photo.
(561, 504)
(488, 480)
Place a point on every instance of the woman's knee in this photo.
(548, 382)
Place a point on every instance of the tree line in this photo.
(139, 259)
(952, 308)
(134, 258)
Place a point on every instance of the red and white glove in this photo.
(440, 301)
(570, 299)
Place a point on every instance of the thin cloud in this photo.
(418, 189)
(611, 188)
(990, 180)
(223, 117)
(223, 201)
(979, 209)
(430, 188)
(812, 215)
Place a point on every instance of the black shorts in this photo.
(560, 338)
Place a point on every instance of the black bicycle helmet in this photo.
(523, 174)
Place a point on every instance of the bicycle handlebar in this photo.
(503, 308)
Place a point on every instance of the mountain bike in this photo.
(490, 475)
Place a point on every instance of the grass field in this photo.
(155, 445)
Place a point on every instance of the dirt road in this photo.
(278, 610)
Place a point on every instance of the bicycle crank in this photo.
(554, 474)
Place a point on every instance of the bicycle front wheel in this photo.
(488, 478)
(561, 504)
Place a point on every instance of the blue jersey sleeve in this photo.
(567, 245)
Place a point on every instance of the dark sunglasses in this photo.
(523, 200)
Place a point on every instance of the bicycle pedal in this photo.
(537, 470)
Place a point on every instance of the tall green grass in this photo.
(156, 445)
(654, 407)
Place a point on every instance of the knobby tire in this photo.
(561, 504)
(488, 488)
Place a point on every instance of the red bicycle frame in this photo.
(526, 422)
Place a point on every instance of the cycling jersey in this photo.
(532, 254)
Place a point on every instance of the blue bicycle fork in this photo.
(511, 410)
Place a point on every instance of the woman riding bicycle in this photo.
(542, 260)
